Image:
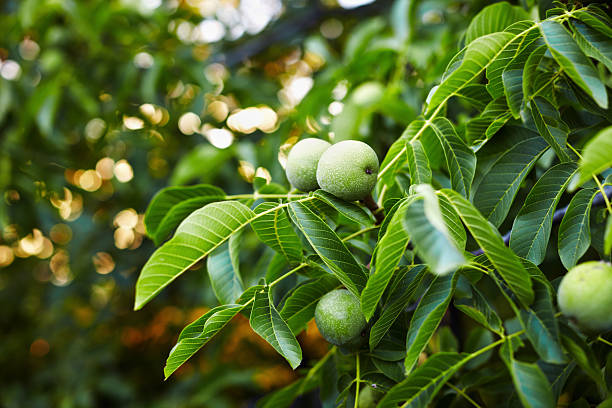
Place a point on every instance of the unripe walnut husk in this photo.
(301, 168)
(348, 170)
(585, 296)
(339, 318)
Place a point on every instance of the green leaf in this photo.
(430, 237)
(460, 159)
(532, 385)
(422, 385)
(172, 204)
(573, 61)
(596, 19)
(479, 55)
(197, 236)
(197, 334)
(476, 95)
(494, 18)
(399, 299)
(388, 253)
(557, 375)
(513, 89)
(503, 259)
(582, 354)
(395, 158)
(223, 269)
(418, 164)
(497, 190)
(485, 125)
(541, 325)
(574, 230)
(329, 247)
(593, 43)
(300, 306)
(595, 155)
(479, 309)
(427, 317)
(532, 227)
(608, 236)
(349, 210)
(531, 70)
(548, 121)
(268, 323)
(274, 229)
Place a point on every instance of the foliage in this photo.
(496, 148)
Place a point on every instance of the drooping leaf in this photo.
(388, 253)
(541, 325)
(329, 247)
(479, 55)
(494, 18)
(574, 230)
(460, 159)
(573, 61)
(505, 261)
(172, 204)
(531, 70)
(274, 229)
(581, 353)
(396, 155)
(197, 334)
(485, 125)
(431, 239)
(551, 127)
(268, 323)
(427, 317)
(300, 306)
(223, 270)
(479, 309)
(418, 163)
(593, 43)
(399, 299)
(532, 226)
(422, 385)
(596, 19)
(531, 384)
(497, 190)
(349, 210)
(197, 236)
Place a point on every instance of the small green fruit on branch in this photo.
(339, 317)
(301, 169)
(585, 295)
(348, 170)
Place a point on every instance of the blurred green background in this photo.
(104, 102)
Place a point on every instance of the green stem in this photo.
(357, 381)
(604, 341)
(291, 272)
(257, 195)
(362, 231)
(464, 395)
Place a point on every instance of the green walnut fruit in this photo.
(348, 170)
(369, 397)
(585, 295)
(302, 163)
(339, 318)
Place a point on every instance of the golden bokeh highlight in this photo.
(250, 119)
(123, 171)
(60, 266)
(127, 218)
(263, 173)
(105, 167)
(6, 256)
(133, 122)
(32, 244)
(189, 123)
(221, 138)
(123, 237)
(60, 234)
(246, 170)
(104, 263)
(218, 110)
(90, 180)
